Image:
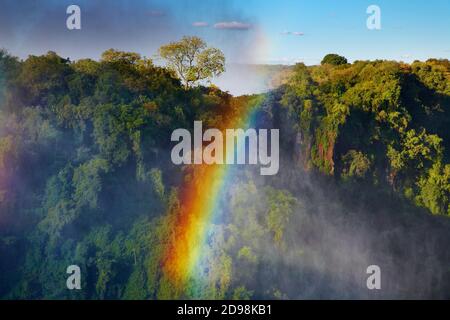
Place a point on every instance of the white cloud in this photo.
(200, 24)
(232, 25)
(294, 33)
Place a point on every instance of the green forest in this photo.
(86, 179)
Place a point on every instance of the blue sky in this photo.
(410, 30)
(248, 31)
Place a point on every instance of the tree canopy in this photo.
(334, 59)
(86, 179)
(192, 61)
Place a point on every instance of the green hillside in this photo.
(86, 178)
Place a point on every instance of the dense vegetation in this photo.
(382, 122)
(86, 178)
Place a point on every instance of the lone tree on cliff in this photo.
(192, 60)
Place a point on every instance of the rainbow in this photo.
(201, 197)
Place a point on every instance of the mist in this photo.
(333, 234)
